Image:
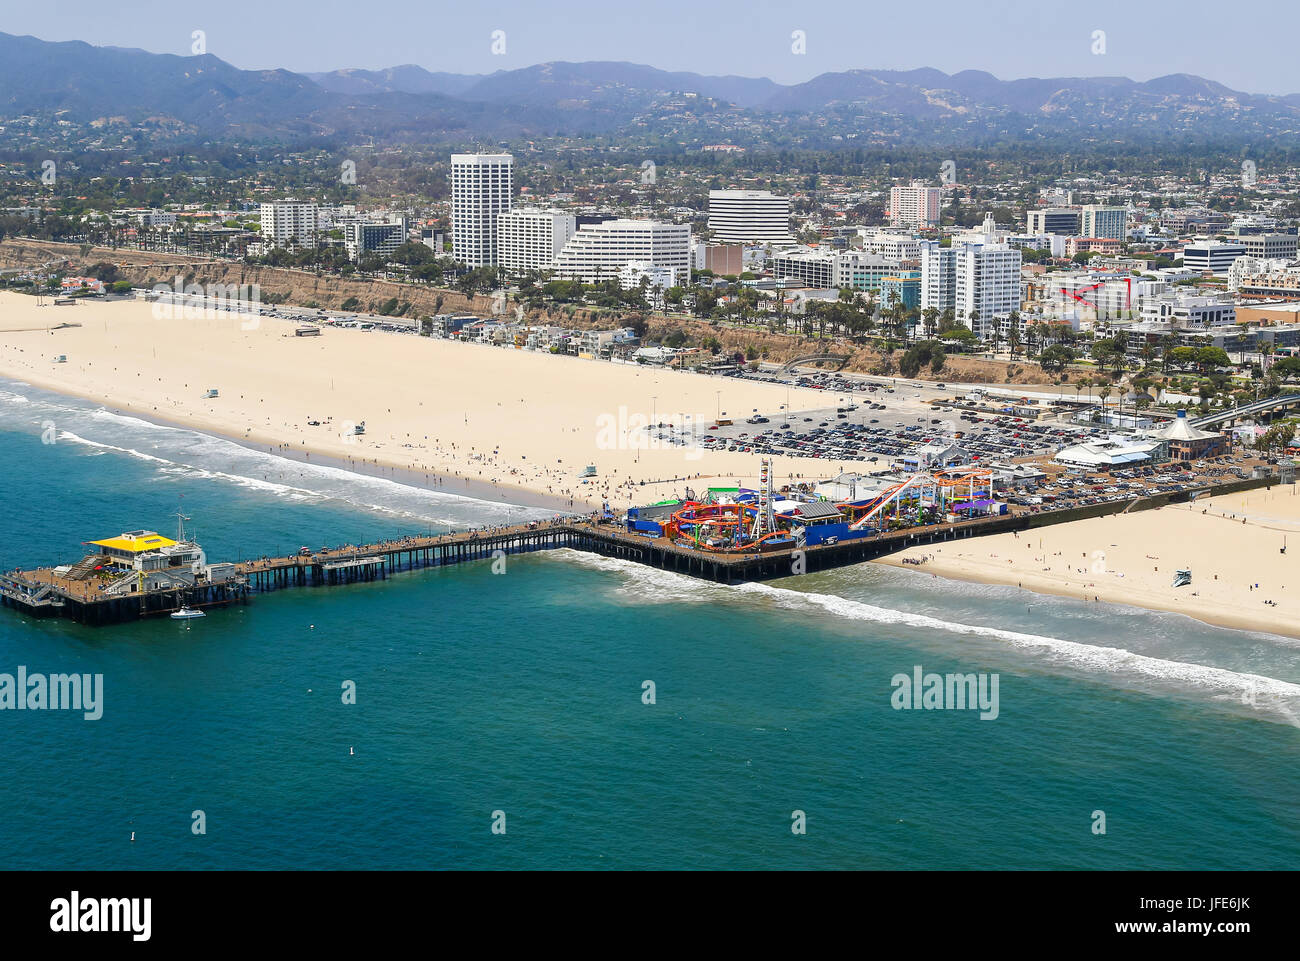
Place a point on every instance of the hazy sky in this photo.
(1249, 47)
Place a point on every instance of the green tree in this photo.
(1055, 358)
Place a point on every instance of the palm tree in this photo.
(930, 321)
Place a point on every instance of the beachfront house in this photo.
(545, 336)
(590, 342)
(656, 356)
(501, 334)
(623, 340)
(450, 325)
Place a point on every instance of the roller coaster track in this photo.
(950, 478)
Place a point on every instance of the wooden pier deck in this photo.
(44, 593)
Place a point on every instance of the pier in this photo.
(51, 592)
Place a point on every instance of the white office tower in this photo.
(531, 239)
(988, 281)
(598, 252)
(915, 206)
(1099, 221)
(749, 217)
(938, 276)
(481, 189)
(288, 223)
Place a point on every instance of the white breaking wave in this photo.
(1276, 698)
(138, 454)
(184, 453)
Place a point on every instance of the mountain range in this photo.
(203, 96)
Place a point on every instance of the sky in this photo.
(1248, 47)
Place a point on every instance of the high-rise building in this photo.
(1054, 220)
(938, 276)
(970, 275)
(915, 206)
(531, 239)
(1100, 221)
(988, 282)
(600, 251)
(289, 223)
(749, 217)
(482, 186)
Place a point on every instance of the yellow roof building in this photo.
(136, 542)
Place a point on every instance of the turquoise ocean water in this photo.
(521, 692)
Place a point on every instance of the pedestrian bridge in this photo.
(1265, 406)
(840, 360)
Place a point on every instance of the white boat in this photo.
(186, 613)
(1182, 577)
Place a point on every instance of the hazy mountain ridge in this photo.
(205, 96)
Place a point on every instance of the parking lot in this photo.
(873, 422)
(1074, 487)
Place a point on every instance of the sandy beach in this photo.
(466, 418)
(1232, 544)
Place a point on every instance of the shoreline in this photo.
(1228, 542)
(502, 426)
(1040, 588)
(475, 490)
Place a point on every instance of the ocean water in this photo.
(521, 693)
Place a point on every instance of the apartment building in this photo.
(916, 206)
(288, 223)
(987, 280)
(810, 266)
